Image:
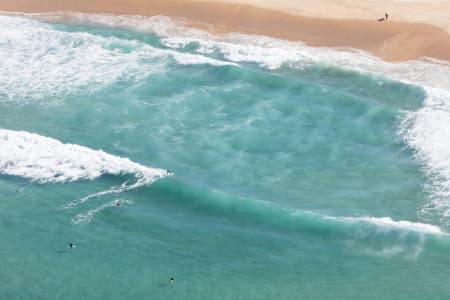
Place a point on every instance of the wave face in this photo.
(289, 161)
(46, 160)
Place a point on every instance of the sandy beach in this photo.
(414, 29)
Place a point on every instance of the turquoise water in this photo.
(299, 180)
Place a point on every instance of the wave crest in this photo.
(427, 132)
(47, 160)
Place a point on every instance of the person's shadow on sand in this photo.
(384, 19)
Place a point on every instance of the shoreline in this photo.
(390, 41)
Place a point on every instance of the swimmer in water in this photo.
(118, 204)
(71, 245)
(172, 280)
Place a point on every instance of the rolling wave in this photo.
(217, 202)
(46, 160)
(425, 130)
(377, 235)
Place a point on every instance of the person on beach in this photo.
(384, 19)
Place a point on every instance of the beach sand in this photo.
(415, 29)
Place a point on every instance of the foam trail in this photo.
(266, 51)
(383, 236)
(389, 224)
(374, 224)
(42, 63)
(407, 243)
(113, 190)
(425, 131)
(87, 217)
(47, 160)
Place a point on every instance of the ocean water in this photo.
(245, 167)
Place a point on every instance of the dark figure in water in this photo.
(71, 245)
(118, 204)
(386, 15)
(172, 280)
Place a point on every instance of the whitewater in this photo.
(245, 166)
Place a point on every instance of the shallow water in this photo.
(294, 172)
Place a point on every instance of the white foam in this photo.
(412, 246)
(87, 217)
(388, 223)
(266, 51)
(40, 62)
(47, 160)
(425, 130)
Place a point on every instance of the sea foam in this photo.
(388, 223)
(46, 160)
(425, 131)
(42, 63)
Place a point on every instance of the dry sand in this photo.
(415, 29)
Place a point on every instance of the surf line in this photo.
(43, 160)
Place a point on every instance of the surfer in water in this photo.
(72, 245)
(172, 280)
(117, 204)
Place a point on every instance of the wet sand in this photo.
(325, 23)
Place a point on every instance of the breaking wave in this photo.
(46, 160)
(46, 64)
(425, 130)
